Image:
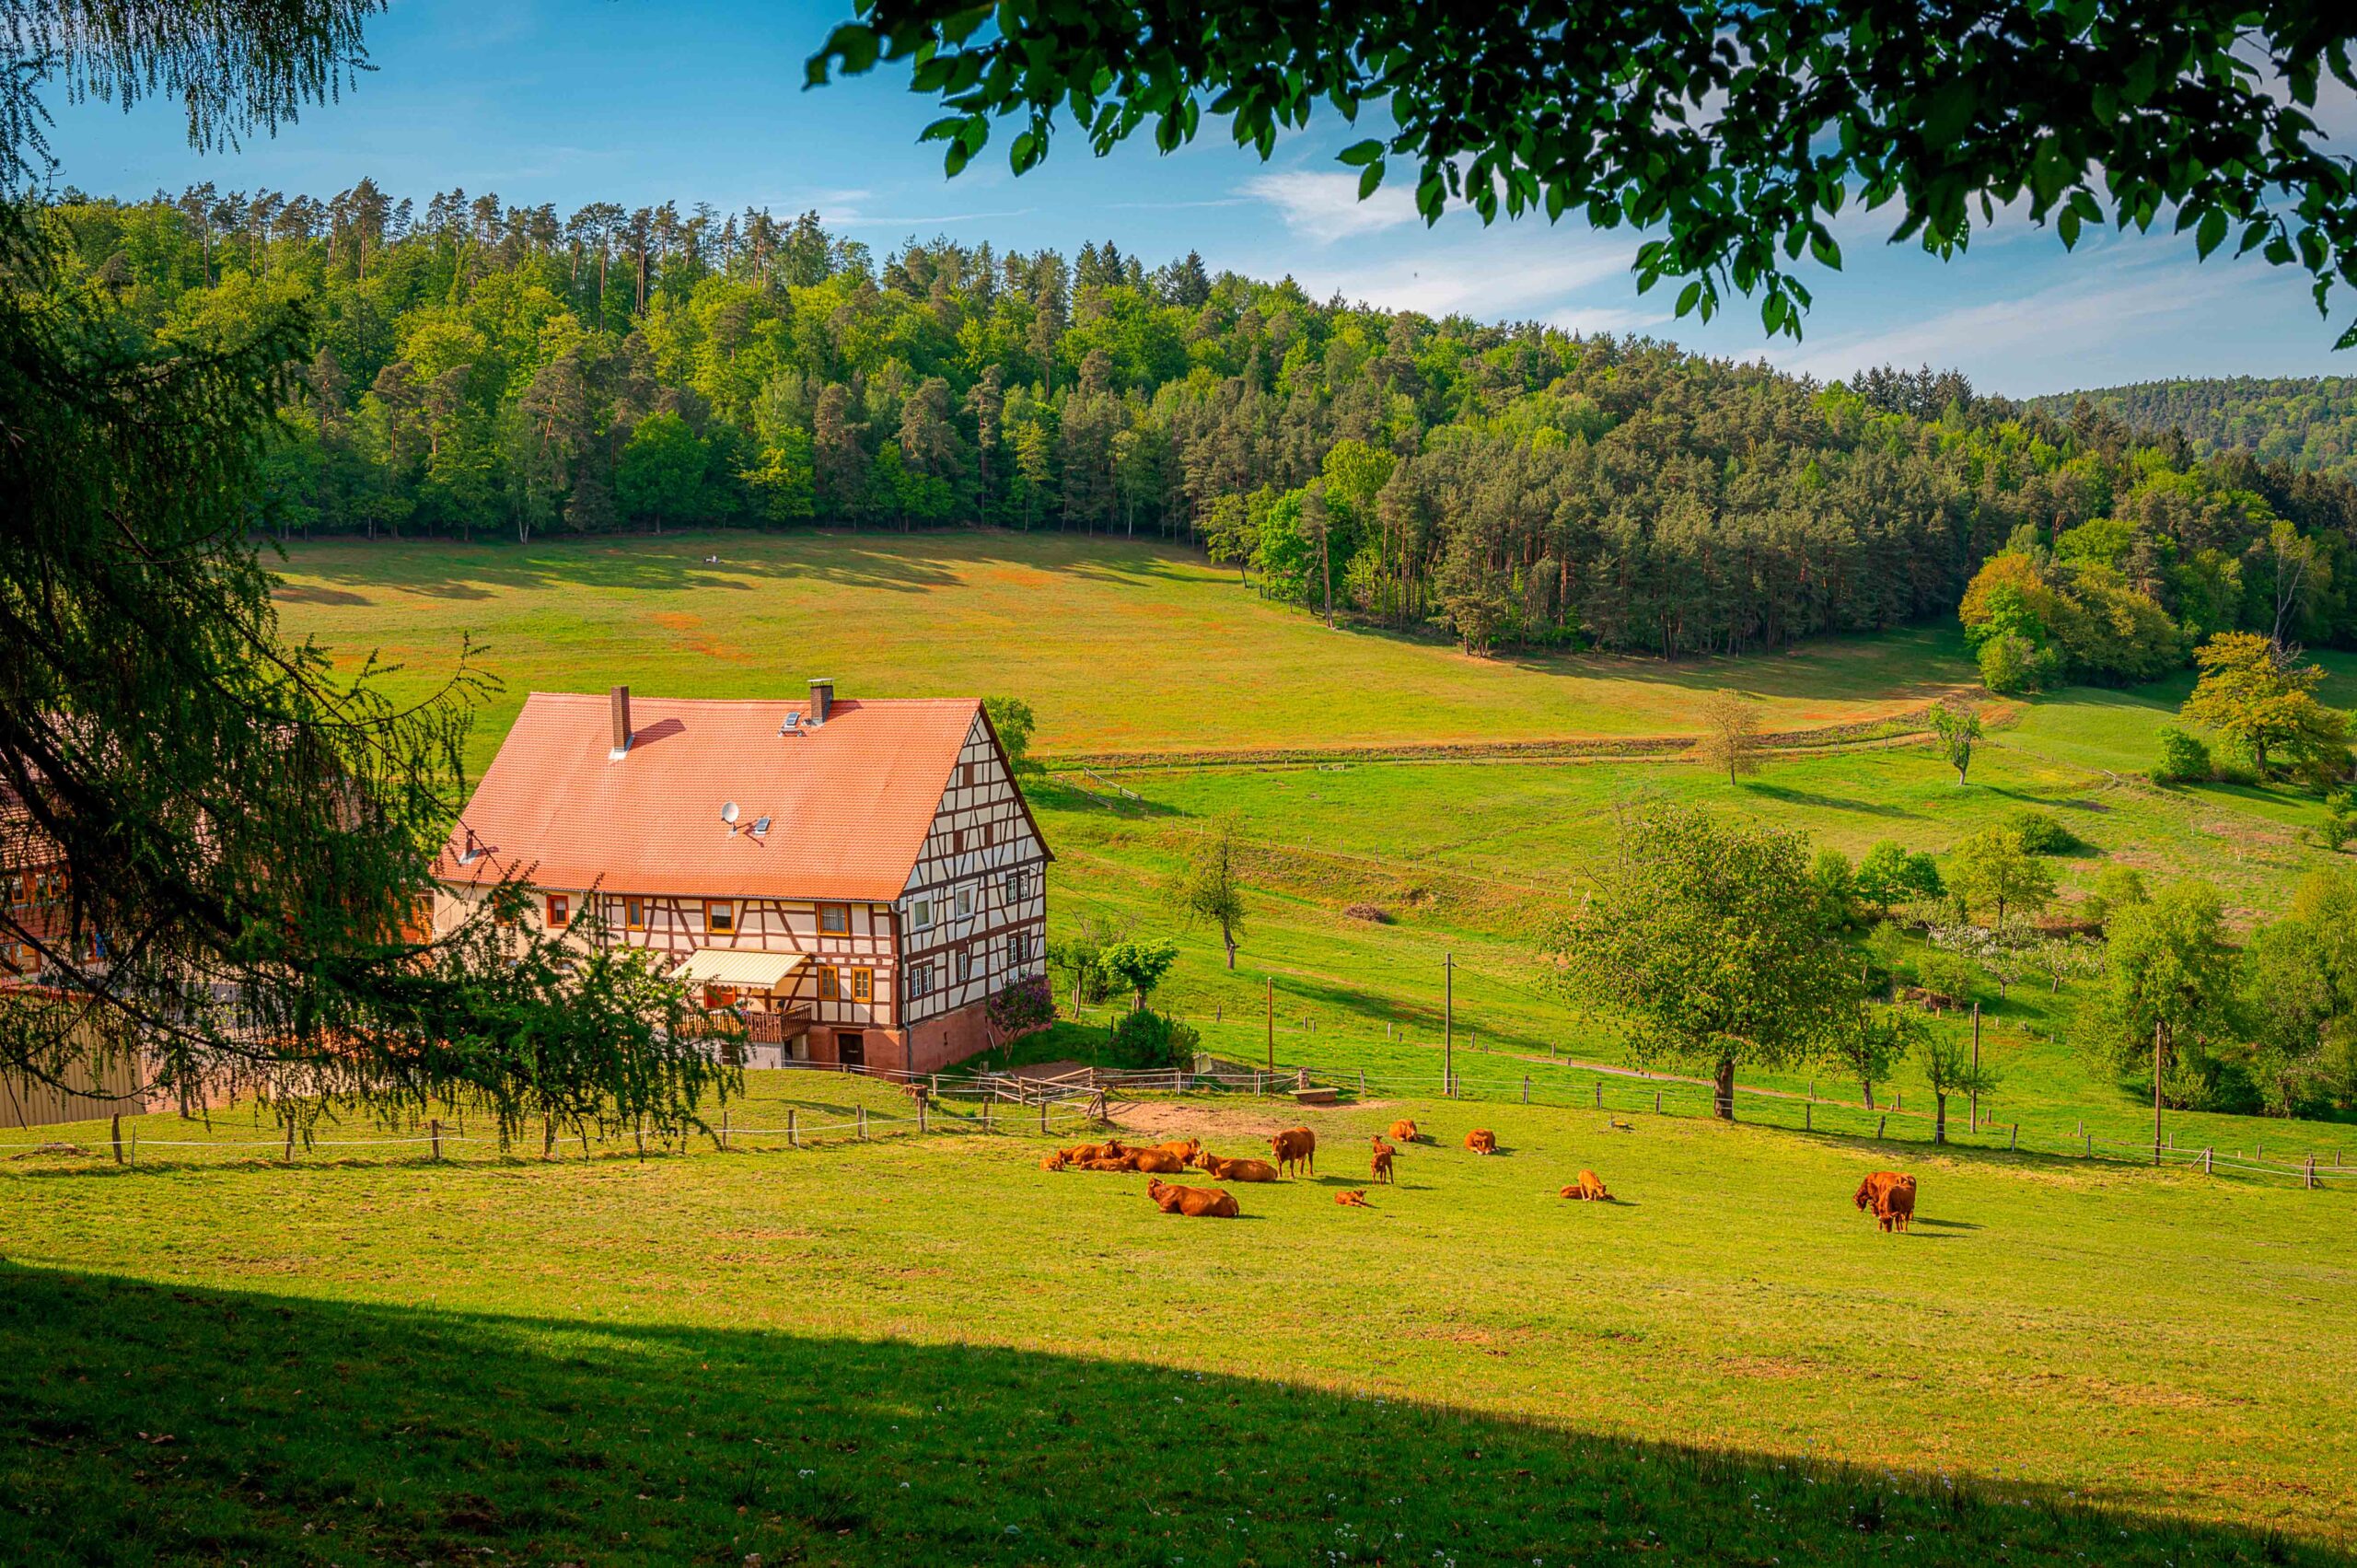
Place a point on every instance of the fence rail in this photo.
(992, 1103)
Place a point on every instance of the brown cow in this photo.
(1196, 1202)
(1053, 1162)
(1081, 1152)
(1220, 1169)
(1382, 1167)
(1185, 1148)
(1352, 1200)
(1482, 1141)
(1121, 1164)
(1404, 1130)
(1870, 1190)
(1896, 1208)
(1295, 1146)
(1157, 1162)
(1589, 1188)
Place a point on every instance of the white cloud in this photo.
(1326, 207)
(1501, 273)
(2125, 299)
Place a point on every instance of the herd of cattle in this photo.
(1292, 1150)
(1887, 1195)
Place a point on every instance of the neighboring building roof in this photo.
(850, 803)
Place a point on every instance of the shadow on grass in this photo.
(1809, 797)
(141, 1423)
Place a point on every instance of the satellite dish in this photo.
(728, 813)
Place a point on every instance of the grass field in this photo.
(1119, 646)
(926, 1349)
(930, 1350)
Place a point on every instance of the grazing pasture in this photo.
(917, 1347)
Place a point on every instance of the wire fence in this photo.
(997, 1104)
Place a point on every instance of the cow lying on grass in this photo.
(1352, 1200)
(1196, 1202)
(1589, 1188)
(1889, 1196)
(1295, 1146)
(1404, 1130)
(1220, 1169)
(1383, 1153)
(1482, 1141)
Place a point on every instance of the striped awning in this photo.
(748, 969)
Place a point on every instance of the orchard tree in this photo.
(1730, 741)
(2169, 981)
(1957, 728)
(1137, 965)
(2258, 692)
(1740, 132)
(1712, 944)
(1994, 870)
(1889, 875)
(1872, 1041)
(1209, 889)
(1948, 1063)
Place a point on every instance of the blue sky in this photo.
(638, 102)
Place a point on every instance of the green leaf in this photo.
(1688, 296)
(2211, 232)
(1359, 153)
(1371, 177)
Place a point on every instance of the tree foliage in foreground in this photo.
(1739, 131)
(1711, 944)
(245, 837)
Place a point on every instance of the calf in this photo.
(1482, 1141)
(1589, 1188)
(1295, 1146)
(1896, 1208)
(1870, 1190)
(1352, 1200)
(1196, 1202)
(1053, 1162)
(1383, 1153)
(1404, 1130)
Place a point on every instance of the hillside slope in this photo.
(2308, 422)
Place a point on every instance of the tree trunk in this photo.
(1939, 1117)
(1229, 937)
(1723, 1090)
(1868, 1085)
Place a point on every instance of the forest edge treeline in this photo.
(478, 366)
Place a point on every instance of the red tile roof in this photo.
(850, 803)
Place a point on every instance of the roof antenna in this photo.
(728, 815)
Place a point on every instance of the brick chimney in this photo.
(822, 700)
(620, 704)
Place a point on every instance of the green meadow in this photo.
(925, 1348)
(928, 1349)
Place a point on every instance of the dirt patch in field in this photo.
(1167, 1121)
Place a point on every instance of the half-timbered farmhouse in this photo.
(857, 877)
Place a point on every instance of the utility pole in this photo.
(1273, 1022)
(1976, 1067)
(2158, 1024)
(1448, 1024)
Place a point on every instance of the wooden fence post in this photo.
(724, 1129)
(131, 1159)
(434, 1129)
(2205, 1162)
(923, 1122)
(548, 1136)
(2091, 1145)
(1525, 1088)
(863, 1124)
(1043, 1113)
(792, 1133)
(2311, 1182)
(1656, 1102)
(1808, 1117)
(986, 1116)
(116, 1133)
(1880, 1123)
(1599, 1094)
(2015, 1143)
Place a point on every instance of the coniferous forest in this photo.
(2308, 422)
(482, 369)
